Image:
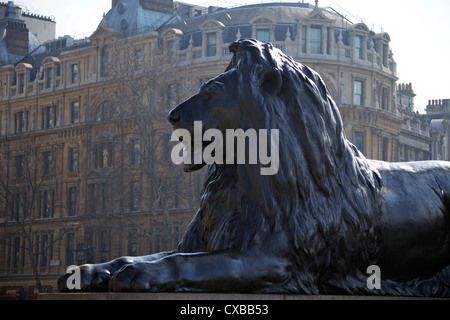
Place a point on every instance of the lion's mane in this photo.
(324, 198)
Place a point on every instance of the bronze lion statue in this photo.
(316, 225)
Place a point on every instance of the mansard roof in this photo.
(278, 12)
(130, 17)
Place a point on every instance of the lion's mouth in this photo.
(193, 167)
(196, 161)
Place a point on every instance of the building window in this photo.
(73, 159)
(104, 111)
(358, 93)
(135, 196)
(359, 141)
(105, 197)
(135, 151)
(103, 156)
(263, 35)
(384, 98)
(75, 73)
(58, 69)
(304, 39)
(47, 205)
(16, 252)
(45, 250)
(75, 112)
(104, 245)
(71, 201)
(21, 83)
(49, 77)
(170, 45)
(20, 206)
(91, 201)
(19, 122)
(358, 47)
(18, 163)
(47, 163)
(385, 55)
(316, 39)
(385, 149)
(211, 44)
(329, 41)
(132, 243)
(49, 117)
(70, 249)
(105, 61)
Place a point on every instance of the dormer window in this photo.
(20, 75)
(50, 71)
(358, 47)
(262, 29)
(316, 39)
(170, 49)
(58, 69)
(21, 83)
(212, 36)
(263, 35)
(211, 44)
(48, 77)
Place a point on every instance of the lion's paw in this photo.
(92, 279)
(142, 277)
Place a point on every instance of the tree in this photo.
(142, 86)
(27, 197)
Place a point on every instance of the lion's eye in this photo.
(212, 94)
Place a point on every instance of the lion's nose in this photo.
(173, 118)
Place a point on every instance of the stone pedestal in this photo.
(203, 296)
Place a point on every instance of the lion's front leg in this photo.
(202, 272)
(96, 277)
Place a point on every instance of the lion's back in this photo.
(415, 206)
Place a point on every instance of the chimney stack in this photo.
(16, 31)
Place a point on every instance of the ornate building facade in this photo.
(438, 114)
(414, 139)
(81, 125)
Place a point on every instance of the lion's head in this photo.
(324, 189)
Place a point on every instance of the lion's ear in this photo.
(270, 81)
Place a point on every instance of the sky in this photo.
(419, 31)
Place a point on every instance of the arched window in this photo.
(105, 61)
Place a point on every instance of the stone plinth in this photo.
(202, 296)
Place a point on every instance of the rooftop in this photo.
(131, 16)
